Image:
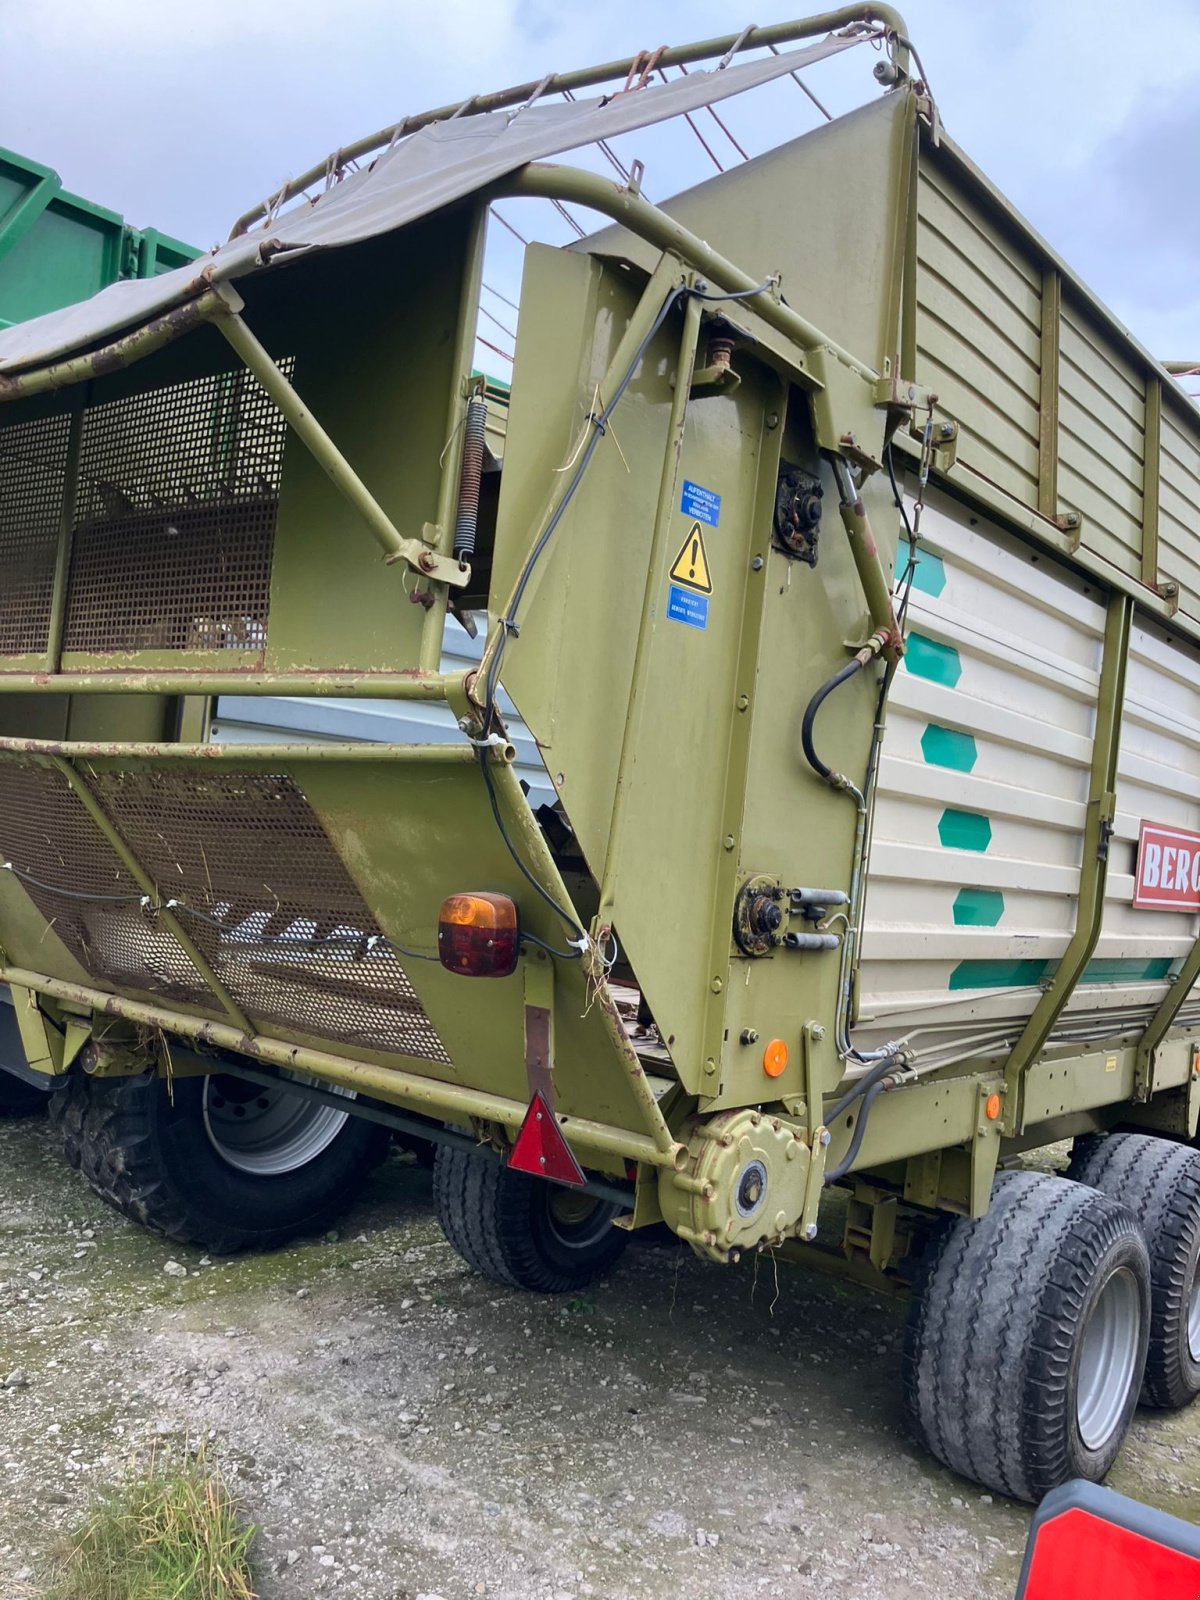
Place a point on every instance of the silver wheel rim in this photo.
(267, 1132)
(1193, 1328)
(1108, 1359)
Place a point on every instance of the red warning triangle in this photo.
(541, 1149)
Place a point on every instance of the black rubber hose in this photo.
(848, 1160)
(810, 716)
(861, 1087)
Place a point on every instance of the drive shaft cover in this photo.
(743, 1186)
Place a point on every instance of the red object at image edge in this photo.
(540, 1148)
(1088, 1543)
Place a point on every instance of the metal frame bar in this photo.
(391, 1084)
(420, 556)
(147, 885)
(123, 352)
(244, 754)
(885, 17)
(433, 627)
(1047, 480)
(301, 684)
(1093, 866)
(1161, 1022)
(1151, 479)
(66, 536)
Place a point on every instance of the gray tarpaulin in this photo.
(441, 163)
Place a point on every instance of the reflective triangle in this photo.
(541, 1149)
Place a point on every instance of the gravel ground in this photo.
(399, 1428)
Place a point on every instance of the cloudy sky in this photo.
(179, 116)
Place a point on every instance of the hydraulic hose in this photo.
(851, 1156)
(810, 717)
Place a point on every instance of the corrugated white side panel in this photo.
(974, 868)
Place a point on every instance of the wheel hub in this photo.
(267, 1132)
(744, 1184)
(1108, 1359)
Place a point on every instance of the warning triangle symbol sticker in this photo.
(690, 567)
(541, 1149)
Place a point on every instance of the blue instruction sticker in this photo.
(702, 503)
(684, 606)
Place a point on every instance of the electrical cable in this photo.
(855, 1145)
(568, 917)
(71, 894)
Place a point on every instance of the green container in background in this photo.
(56, 249)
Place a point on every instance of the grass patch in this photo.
(168, 1532)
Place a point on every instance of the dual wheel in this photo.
(1034, 1331)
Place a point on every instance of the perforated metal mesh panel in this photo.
(295, 942)
(32, 470)
(68, 869)
(259, 888)
(175, 518)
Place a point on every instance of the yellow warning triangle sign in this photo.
(690, 566)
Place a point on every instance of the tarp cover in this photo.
(439, 164)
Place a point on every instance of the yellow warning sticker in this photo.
(691, 564)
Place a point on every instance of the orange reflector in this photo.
(478, 935)
(775, 1058)
(540, 1148)
(993, 1107)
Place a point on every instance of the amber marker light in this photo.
(993, 1107)
(478, 935)
(775, 1058)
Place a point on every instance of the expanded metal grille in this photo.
(259, 889)
(32, 471)
(68, 869)
(175, 518)
(270, 904)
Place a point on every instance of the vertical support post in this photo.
(656, 559)
(66, 534)
(1151, 480)
(1093, 866)
(434, 625)
(1048, 397)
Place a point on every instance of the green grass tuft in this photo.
(169, 1532)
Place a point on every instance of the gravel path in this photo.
(398, 1428)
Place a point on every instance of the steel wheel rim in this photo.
(1108, 1359)
(266, 1132)
(1193, 1324)
(577, 1226)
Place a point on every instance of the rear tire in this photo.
(1026, 1339)
(520, 1231)
(162, 1156)
(1160, 1183)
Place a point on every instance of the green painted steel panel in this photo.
(56, 248)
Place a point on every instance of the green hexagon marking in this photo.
(946, 747)
(927, 658)
(929, 573)
(978, 908)
(964, 830)
(997, 974)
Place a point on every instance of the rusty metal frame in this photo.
(891, 25)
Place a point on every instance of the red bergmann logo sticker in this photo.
(1168, 869)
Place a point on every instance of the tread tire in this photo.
(1159, 1181)
(991, 1348)
(500, 1223)
(143, 1150)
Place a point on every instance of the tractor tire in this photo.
(1160, 1183)
(519, 1231)
(1027, 1335)
(215, 1161)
